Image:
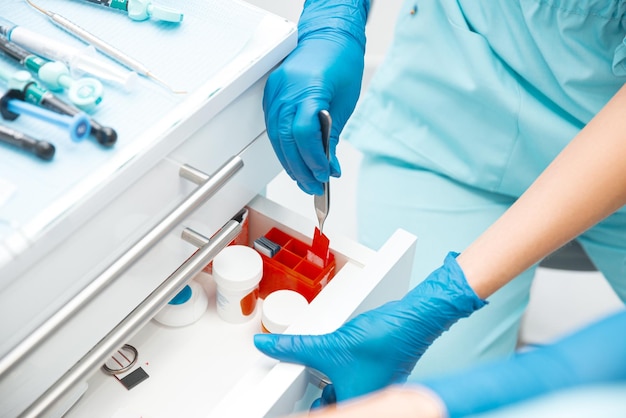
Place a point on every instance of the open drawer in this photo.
(212, 369)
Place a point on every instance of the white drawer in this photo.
(211, 368)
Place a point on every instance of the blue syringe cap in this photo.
(79, 127)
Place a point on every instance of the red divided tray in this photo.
(292, 267)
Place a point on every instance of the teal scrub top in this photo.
(489, 92)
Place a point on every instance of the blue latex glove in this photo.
(597, 354)
(381, 346)
(323, 72)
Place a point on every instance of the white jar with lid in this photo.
(237, 271)
(280, 309)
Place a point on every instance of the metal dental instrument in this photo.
(322, 202)
(102, 46)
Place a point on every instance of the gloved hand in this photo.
(323, 72)
(597, 354)
(381, 346)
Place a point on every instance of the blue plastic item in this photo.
(78, 125)
(182, 296)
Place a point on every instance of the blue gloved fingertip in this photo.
(316, 404)
(328, 397)
(315, 188)
(264, 342)
(322, 176)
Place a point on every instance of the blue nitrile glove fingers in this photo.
(596, 354)
(328, 397)
(323, 72)
(381, 346)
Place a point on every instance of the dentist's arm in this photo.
(582, 186)
(596, 354)
(323, 72)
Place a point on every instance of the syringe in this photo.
(33, 93)
(12, 105)
(86, 93)
(103, 46)
(79, 60)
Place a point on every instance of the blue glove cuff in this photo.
(593, 355)
(346, 16)
(446, 294)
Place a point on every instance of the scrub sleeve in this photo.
(606, 401)
(472, 102)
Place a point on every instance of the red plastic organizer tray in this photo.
(291, 268)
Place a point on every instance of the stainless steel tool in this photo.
(322, 202)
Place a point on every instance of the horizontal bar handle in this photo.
(207, 188)
(136, 319)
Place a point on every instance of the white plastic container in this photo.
(186, 307)
(237, 271)
(280, 309)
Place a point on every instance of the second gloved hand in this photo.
(382, 346)
(324, 72)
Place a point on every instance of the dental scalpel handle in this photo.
(322, 202)
(42, 149)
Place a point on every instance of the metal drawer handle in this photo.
(137, 318)
(209, 185)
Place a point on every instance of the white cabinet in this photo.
(93, 245)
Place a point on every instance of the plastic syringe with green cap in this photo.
(35, 94)
(85, 93)
(79, 60)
